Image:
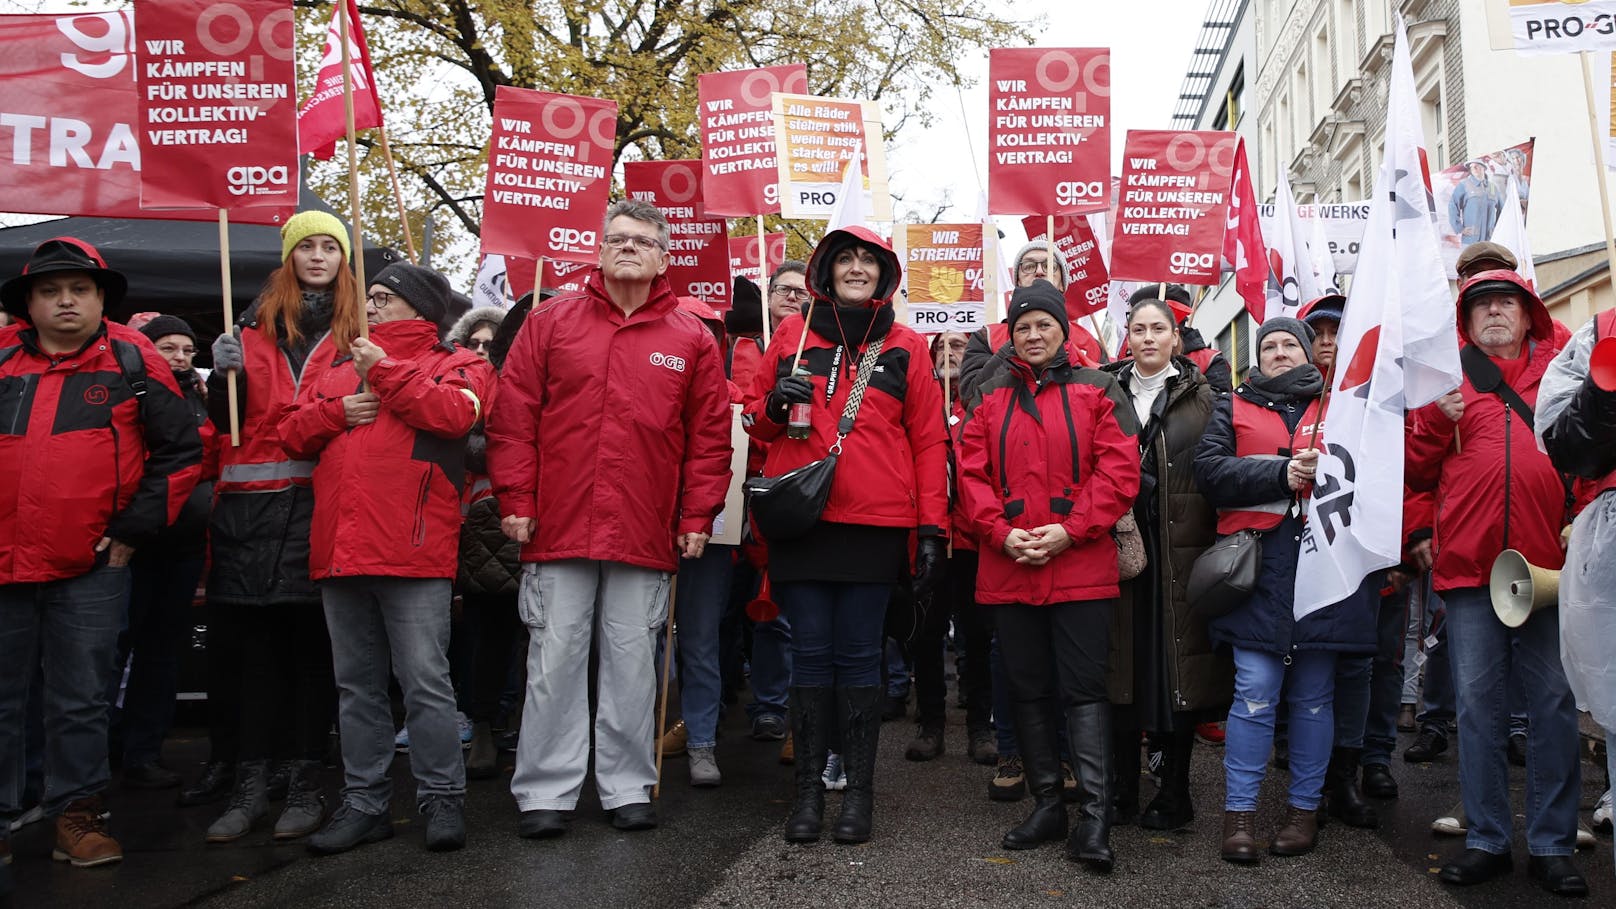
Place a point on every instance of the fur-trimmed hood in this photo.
(460, 333)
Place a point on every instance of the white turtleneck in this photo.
(1145, 389)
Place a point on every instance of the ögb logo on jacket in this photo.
(677, 364)
(96, 395)
(571, 239)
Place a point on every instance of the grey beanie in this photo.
(1294, 327)
(1054, 255)
(425, 290)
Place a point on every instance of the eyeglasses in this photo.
(624, 241)
(380, 299)
(790, 293)
(1033, 267)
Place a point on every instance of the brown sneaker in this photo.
(1299, 834)
(788, 751)
(82, 838)
(673, 741)
(1009, 783)
(1239, 840)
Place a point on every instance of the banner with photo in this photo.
(1470, 197)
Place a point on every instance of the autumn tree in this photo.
(438, 63)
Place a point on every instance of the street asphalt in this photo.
(936, 844)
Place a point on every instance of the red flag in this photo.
(323, 119)
(1243, 241)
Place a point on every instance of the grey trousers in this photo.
(566, 605)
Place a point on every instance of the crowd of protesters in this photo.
(375, 484)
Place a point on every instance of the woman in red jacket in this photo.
(385, 544)
(891, 482)
(1048, 464)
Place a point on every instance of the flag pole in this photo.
(229, 323)
(1599, 163)
(538, 281)
(398, 196)
(763, 279)
(353, 172)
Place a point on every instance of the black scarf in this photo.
(1291, 386)
(861, 323)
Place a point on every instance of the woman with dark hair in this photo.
(271, 693)
(1048, 465)
(1166, 674)
(890, 484)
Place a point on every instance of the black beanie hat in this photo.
(165, 325)
(745, 316)
(1039, 295)
(425, 290)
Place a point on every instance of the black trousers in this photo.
(491, 627)
(955, 600)
(1056, 654)
(288, 696)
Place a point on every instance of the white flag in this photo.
(1318, 251)
(1291, 282)
(1398, 346)
(852, 205)
(1510, 232)
(492, 287)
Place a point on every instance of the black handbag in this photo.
(788, 506)
(1225, 574)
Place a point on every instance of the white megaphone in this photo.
(1520, 588)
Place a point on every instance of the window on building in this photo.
(1323, 77)
(1234, 101)
(1377, 22)
(1433, 118)
(1235, 343)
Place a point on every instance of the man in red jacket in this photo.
(1494, 491)
(386, 423)
(100, 452)
(609, 452)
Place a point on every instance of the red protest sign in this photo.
(1171, 215)
(323, 118)
(562, 277)
(549, 173)
(218, 112)
(698, 248)
(1049, 133)
(71, 107)
(740, 175)
(1088, 283)
(743, 255)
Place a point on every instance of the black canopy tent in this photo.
(173, 266)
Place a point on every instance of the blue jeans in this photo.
(1436, 697)
(836, 631)
(1484, 653)
(1353, 677)
(1309, 689)
(1386, 679)
(71, 626)
(703, 596)
(771, 667)
(406, 620)
(897, 666)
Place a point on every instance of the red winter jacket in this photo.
(1496, 478)
(84, 458)
(611, 431)
(959, 522)
(1075, 463)
(387, 494)
(893, 471)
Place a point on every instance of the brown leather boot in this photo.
(1240, 838)
(1299, 834)
(82, 838)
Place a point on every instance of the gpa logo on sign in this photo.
(677, 364)
(707, 290)
(257, 181)
(1186, 263)
(571, 239)
(1069, 192)
(1096, 296)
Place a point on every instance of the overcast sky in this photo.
(1150, 51)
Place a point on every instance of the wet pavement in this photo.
(935, 845)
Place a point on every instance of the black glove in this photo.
(928, 566)
(788, 391)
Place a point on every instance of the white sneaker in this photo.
(1453, 823)
(835, 776)
(401, 742)
(1585, 836)
(1602, 813)
(31, 816)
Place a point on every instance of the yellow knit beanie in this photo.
(307, 224)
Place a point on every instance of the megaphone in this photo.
(762, 608)
(1602, 364)
(1520, 588)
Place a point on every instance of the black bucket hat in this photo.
(63, 254)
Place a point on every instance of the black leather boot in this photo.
(1088, 731)
(1346, 800)
(1035, 732)
(1171, 808)
(859, 712)
(1126, 764)
(812, 712)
